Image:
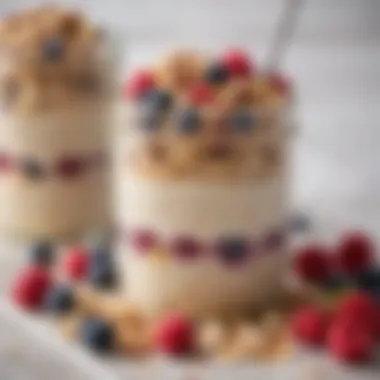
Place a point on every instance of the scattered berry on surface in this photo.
(97, 335)
(42, 253)
(60, 299)
(76, 263)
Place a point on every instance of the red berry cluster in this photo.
(350, 333)
(34, 282)
(352, 255)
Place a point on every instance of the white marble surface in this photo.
(335, 62)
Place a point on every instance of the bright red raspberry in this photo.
(139, 84)
(174, 334)
(351, 344)
(355, 252)
(310, 325)
(358, 309)
(312, 263)
(76, 263)
(238, 63)
(31, 287)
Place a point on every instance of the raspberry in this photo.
(76, 263)
(310, 325)
(350, 343)
(359, 309)
(143, 240)
(237, 63)
(139, 84)
(201, 94)
(312, 263)
(355, 252)
(174, 335)
(31, 287)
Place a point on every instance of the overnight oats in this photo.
(203, 184)
(57, 84)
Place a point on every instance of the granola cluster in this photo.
(50, 58)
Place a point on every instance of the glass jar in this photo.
(203, 188)
(57, 85)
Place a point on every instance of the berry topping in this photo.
(359, 308)
(53, 49)
(76, 263)
(5, 162)
(174, 334)
(216, 74)
(32, 169)
(233, 250)
(42, 254)
(280, 83)
(140, 84)
(201, 94)
(243, 121)
(60, 300)
(189, 121)
(143, 240)
(237, 63)
(355, 252)
(310, 325)
(351, 344)
(312, 263)
(157, 101)
(70, 167)
(186, 247)
(31, 287)
(97, 335)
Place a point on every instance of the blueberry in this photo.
(53, 49)
(189, 121)
(32, 169)
(42, 253)
(216, 74)
(242, 121)
(233, 250)
(102, 269)
(369, 280)
(157, 101)
(97, 335)
(60, 300)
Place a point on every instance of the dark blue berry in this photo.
(242, 121)
(189, 121)
(60, 300)
(32, 169)
(216, 74)
(53, 49)
(102, 269)
(97, 335)
(157, 101)
(233, 250)
(369, 280)
(42, 254)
